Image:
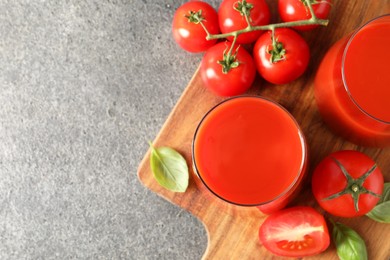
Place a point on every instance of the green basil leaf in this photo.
(381, 212)
(349, 244)
(169, 168)
(386, 193)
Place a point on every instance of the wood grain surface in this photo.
(233, 230)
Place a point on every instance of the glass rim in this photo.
(301, 136)
(345, 51)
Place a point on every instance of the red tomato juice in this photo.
(352, 85)
(250, 151)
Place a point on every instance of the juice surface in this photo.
(367, 69)
(249, 151)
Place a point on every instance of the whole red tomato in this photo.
(287, 61)
(296, 10)
(225, 81)
(188, 32)
(347, 183)
(232, 19)
(295, 232)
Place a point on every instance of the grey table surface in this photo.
(83, 86)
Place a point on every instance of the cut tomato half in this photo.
(295, 232)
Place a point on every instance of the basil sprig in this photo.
(381, 212)
(349, 244)
(169, 168)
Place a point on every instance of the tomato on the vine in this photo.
(347, 183)
(187, 30)
(224, 75)
(295, 232)
(296, 10)
(231, 14)
(282, 60)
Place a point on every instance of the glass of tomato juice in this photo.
(352, 85)
(250, 151)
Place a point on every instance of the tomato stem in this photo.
(229, 60)
(315, 2)
(197, 18)
(309, 5)
(277, 53)
(355, 188)
(245, 10)
(231, 47)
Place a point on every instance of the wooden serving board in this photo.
(233, 230)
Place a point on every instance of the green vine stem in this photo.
(277, 47)
(311, 21)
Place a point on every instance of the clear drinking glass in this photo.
(250, 151)
(352, 85)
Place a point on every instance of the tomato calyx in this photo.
(244, 8)
(195, 17)
(229, 60)
(276, 50)
(354, 186)
(228, 63)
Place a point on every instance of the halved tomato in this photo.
(295, 232)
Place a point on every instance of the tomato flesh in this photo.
(295, 232)
(302, 244)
